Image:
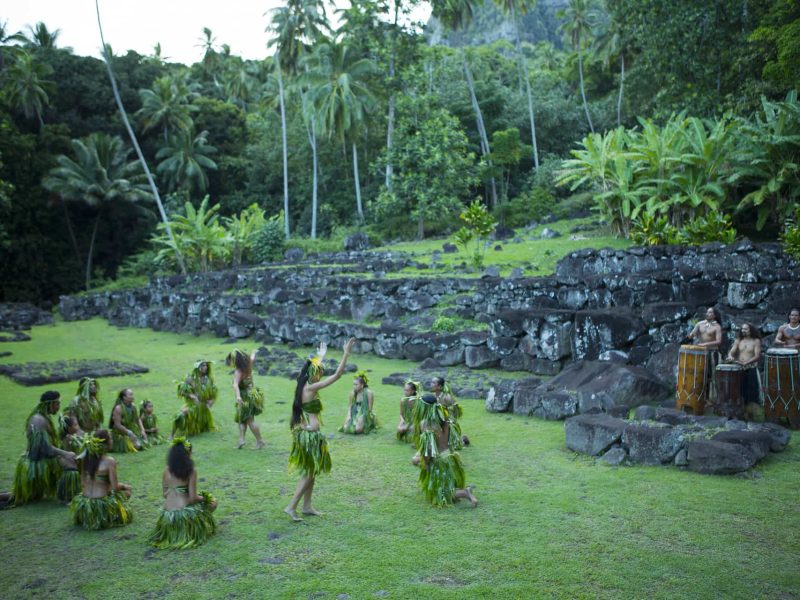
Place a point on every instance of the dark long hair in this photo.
(179, 462)
(239, 360)
(753, 331)
(297, 405)
(92, 461)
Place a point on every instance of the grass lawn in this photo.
(550, 524)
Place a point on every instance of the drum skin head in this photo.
(781, 351)
(729, 367)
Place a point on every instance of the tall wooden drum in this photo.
(782, 386)
(691, 389)
(728, 383)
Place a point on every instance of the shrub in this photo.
(714, 227)
(533, 205)
(444, 324)
(479, 226)
(650, 231)
(791, 236)
(269, 241)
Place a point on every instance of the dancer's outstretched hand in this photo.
(322, 349)
(348, 345)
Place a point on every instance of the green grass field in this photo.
(550, 524)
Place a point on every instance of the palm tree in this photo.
(610, 45)
(455, 15)
(210, 59)
(100, 175)
(202, 239)
(581, 17)
(27, 87)
(295, 25)
(341, 97)
(184, 160)
(40, 37)
(239, 83)
(166, 106)
(513, 8)
(132, 135)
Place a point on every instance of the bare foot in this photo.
(472, 499)
(260, 444)
(311, 512)
(241, 445)
(292, 514)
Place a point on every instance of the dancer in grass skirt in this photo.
(187, 518)
(309, 453)
(45, 469)
(150, 424)
(441, 475)
(199, 392)
(360, 418)
(405, 429)
(127, 430)
(103, 501)
(452, 412)
(249, 399)
(86, 406)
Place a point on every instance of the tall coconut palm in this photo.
(39, 36)
(27, 87)
(296, 25)
(513, 8)
(581, 18)
(166, 106)
(339, 91)
(456, 15)
(610, 45)
(99, 175)
(132, 135)
(184, 160)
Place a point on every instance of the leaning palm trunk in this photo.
(524, 67)
(135, 142)
(285, 148)
(485, 148)
(91, 251)
(312, 139)
(583, 89)
(621, 84)
(358, 185)
(390, 117)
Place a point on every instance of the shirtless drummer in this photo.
(746, 351)
(789, 333)
(708, 334)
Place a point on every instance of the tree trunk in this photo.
(135, 142)
(312, 139)
(358, 185)
(524, 66)
(71, 231)
(621, 84)
(485, 149)
(91, 251)
(285, 148)
(420, 228)
(390, 118)
(583, 91)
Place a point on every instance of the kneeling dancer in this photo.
(309, 451)
(103, 501)
(86, 406)
(405, 429)
(199, 392)
(186, 520)
(360, 418)
(441, 475)
(127, 430)
(44, 470)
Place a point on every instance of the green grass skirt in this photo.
(101, 513)
(309, 453)
(370, 421)
(121, 443)
(406, 436)
(69, 485)
(443, 476)
(454, 439)
(198, 419)
(251, 406)
(186, 527)
(35, 479)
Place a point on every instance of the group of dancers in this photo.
(67, 454)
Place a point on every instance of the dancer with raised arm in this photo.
(309, 452)
(249, 399)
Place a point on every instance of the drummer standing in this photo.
(746, 351)
(788, 335)
(708, 334)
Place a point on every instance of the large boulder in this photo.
(757, 442)
(592, 434)
(501, 396)
(651, 444)
(606, 329)
(718, 458)
(356, 241)
(779, 436)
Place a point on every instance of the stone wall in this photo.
(634, 306)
